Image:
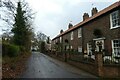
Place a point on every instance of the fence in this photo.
(79, 57)
(111, 60)
(103, 66)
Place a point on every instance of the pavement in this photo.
(42, 66)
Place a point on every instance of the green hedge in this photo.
(22, 48)
(10, 50)
(13, 50)
(4, 49)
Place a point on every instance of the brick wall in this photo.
(102, 23)
(91, 68)
(110, 71)
(75, 42)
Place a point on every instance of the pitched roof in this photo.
(111, 7)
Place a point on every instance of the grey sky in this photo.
(54, 15)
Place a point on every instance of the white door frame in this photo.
(99, 40)
(97, 47)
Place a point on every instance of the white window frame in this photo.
(79, 49)
(71, 35)
(111, 21)
(113, 50)
(79, 32)
(90, 52)
(88, 49)
(67, 47)
(71, 47)
(60, 39)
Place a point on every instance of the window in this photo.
(67, 47)
(116, 47)
(71, 47)
(79, 49)
(54, 42)
(60, 39)
(72, 35)
(89, 49)
(115, 19)
(79, 33)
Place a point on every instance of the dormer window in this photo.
(115, 19)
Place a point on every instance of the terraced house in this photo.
(100, 32)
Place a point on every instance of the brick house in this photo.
(100, 32)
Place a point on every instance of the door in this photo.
(99, 45)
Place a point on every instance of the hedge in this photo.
(10, 50)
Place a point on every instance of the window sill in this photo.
(115, 27)
(79, 36)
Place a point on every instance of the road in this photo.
(43, 66)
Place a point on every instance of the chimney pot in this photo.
(94, 11)
(70, 25)
(85, 16)
(61, 31)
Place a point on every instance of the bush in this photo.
(22, 49)
(13, 50)
(4, 48)
(107, 61)
(10, 50)
(97, 33)
(43, 49)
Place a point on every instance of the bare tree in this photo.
(10, 7)
(41, 36)
(39, 40)
(18, 16)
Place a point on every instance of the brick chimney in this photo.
(61, 31)
(94, 11)
(70, 25)
(85, 16)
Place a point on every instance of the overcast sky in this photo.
(54, 15)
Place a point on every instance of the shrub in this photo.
(10, 50)
(22, 49)
(107, 61)
(97, 33)
(43, 49)
(5, 48)
(13, 50)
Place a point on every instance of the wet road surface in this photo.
(43, 66)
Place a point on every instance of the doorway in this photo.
(99, 45)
